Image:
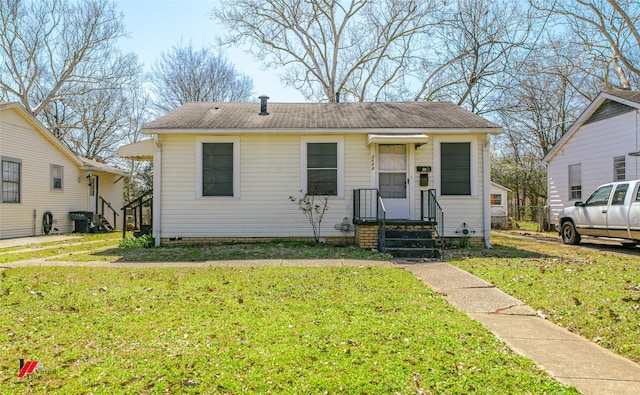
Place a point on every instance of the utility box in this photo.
(81, 221)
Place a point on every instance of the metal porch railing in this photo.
(430, 211)
(141, 209)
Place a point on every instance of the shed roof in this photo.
(299, 116)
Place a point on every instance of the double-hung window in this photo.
(575, 182)
(218, 169)
(455, 165)
(322, 170)
(11, 180)
(57, 177)
(619, 171)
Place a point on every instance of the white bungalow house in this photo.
(601, 146)
(499, 205)
(43, 181)
(226, 171)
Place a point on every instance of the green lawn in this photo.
(595, 293)
(247, 330)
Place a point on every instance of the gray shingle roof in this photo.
(399, 115)
(633, 96)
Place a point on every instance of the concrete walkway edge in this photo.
(569, 358)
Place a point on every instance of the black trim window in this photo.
(455, 165)
(11, 180)
(322, 169)
(217, 169)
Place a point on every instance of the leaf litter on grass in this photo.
(250, 330)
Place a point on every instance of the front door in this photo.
(93, 194)
(392, 180)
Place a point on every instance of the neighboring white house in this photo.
(601, 146)
(226, 171)
(40, 175)
(499, 207)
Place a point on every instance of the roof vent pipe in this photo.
(263, 105)
(337, 97)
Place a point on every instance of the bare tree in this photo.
(185, 74)
(479, 42)
(608, 33)
(56, 49)
(356, 47)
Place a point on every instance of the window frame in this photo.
(573, 184)
(3, 160)
(473, 165)
(339, 141)
(200, 141)
(617, 160)
(52, 185)
(495, 199)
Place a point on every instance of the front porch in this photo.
(402, 238)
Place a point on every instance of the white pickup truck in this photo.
(612, 211)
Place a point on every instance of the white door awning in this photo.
(142, 150)
(419, 138)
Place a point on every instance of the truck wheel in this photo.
(569, 233)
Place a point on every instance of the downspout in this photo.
(486, 182)
(157, 190)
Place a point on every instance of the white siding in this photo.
(593, 146)
(269, 174)
(20, 140)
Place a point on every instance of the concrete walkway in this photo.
(567, 357)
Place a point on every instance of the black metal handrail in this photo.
(431, 211)
(105, 203)
(365, 205)
(136, 205)
(382, 223)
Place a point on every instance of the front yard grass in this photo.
(79, 244)
(95, 248)
(350, 330)
(593, 293)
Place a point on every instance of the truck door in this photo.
(634, 214)
(592, 219)
(618, 212)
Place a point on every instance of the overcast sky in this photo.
(155, 26)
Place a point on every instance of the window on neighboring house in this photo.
(455, 165)
(496, 199)
(57, 175)
(322, 169)
(619, 172)
(218, 168)
(11, 180)
(575, 181)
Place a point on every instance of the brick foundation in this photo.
(367, 236)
